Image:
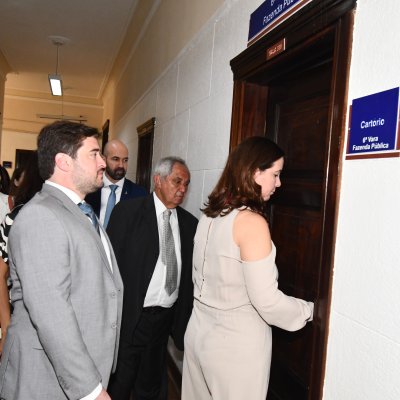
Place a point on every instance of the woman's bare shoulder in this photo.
(251, 233)
(251, 219)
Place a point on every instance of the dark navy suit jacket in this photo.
(130, 190)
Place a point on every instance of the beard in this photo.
(116, 174)
(86, 184)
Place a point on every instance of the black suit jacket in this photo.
(133, 233)
(130, 190)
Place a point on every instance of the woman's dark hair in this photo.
(236, 186)
(31, 182)
(4, 180)
(16, 176)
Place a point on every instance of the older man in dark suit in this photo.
(153, 242)
(116, 187)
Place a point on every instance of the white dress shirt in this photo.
(156, 294)
(105, 194)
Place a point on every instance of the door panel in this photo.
(297, 119)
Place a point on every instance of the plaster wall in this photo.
(21, 117)
(2, 88)
(157, 34)
(12, 141)
(24, 113)
(192, 100)
(364, 345)
(4, 69)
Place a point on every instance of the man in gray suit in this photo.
(66, 288)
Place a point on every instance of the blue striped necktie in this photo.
(88, 211)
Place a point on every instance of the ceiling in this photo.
(95, 30)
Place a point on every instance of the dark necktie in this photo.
(110, 204)
(168, 255)
(88, 211)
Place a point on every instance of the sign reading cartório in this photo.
(374, 126)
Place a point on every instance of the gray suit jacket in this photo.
(64, 331)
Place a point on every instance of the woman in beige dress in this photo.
(236, 297)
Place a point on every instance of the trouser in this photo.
(141, 365)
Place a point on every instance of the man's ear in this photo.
(157, 181)
(63, 162)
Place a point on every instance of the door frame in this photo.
(319, 18)
(145, 153)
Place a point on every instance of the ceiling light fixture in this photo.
(55, 84)
(55, 79)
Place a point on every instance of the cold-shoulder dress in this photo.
(228, 340)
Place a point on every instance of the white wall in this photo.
(363, 360)
(22, 124)
(192, 102)
(11, 141)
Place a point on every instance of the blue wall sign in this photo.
(374, 123)
(270, 14)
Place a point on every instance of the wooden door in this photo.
(297, 119)
(298, 100)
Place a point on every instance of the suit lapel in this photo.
(68, 204)
(114, 266)
(125, 190)
(150, 222)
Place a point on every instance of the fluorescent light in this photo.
(55, 84)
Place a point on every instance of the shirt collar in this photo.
(107, 182)
(68, 192)
(160, 206)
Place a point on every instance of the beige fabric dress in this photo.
(228, 340)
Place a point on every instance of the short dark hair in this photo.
(60, 137)
(236, 187)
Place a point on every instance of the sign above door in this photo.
(270, 14)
